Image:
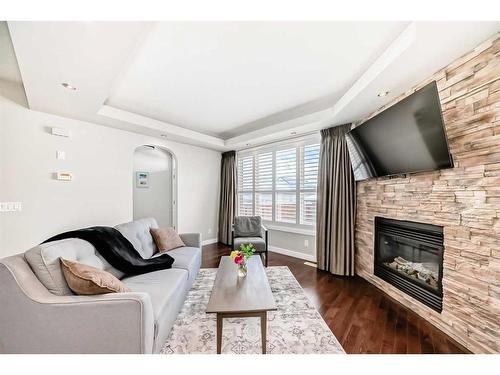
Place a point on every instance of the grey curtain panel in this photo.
(227, 202)
(336, 207)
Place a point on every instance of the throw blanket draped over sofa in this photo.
(38, 309)
(117, 250)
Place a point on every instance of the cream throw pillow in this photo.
(87, 280)
(166, 239)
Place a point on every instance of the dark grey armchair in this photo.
(249, 229)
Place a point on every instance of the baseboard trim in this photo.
(294, 254)
(209, 241)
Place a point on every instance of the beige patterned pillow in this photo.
(166, 239)
(87, 280)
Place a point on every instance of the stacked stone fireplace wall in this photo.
(465, 200)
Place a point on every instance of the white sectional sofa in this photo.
(39, 314)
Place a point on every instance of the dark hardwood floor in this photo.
(363, 318)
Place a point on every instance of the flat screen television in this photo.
(407, 137)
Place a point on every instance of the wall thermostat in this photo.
(60, 132)
(64, 176)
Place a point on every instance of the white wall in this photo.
(293, 244)
(155, 200)
(101, 160)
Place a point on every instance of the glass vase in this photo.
(242, 270)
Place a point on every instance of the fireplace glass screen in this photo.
(410, 259)
(410, 256)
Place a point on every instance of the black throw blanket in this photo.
(117, 250)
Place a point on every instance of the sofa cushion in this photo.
(44, 261)
(247, 226)
(258, 243)
(167, 290)
(86, 280)
(137, 232)
(186, 258)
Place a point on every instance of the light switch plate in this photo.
(61, 155)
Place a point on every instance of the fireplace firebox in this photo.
(409, 256)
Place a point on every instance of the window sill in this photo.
(307, 232)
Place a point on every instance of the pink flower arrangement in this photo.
(241, 256)
(238, 259)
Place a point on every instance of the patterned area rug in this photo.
(295, 328)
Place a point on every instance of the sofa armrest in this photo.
(32, 320)
(191, 239)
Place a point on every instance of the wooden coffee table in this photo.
(241, 297)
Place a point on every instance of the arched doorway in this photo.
(155, 185)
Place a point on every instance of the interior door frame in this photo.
(174, 181)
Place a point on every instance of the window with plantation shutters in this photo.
(279, 182)
(264, 185)
(286, 185)
(245, 185)
(309, 159)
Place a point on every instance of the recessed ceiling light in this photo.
(68, 86)
(381, 94)
(163, 135)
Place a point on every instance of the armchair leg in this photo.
(232, 240)
(267, 248)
